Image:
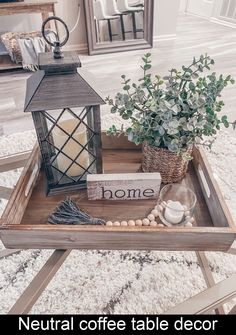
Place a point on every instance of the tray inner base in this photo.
(115, 161)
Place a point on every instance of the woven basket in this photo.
(10, 40)
(171, 166)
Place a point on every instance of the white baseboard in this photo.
(223, 22)
(196, 15)
(83, 48)
(214, 20)
(158, 38)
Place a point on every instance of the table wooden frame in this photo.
(43, 7)
(206, 301)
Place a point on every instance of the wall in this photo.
(68, 11)
(218, 11)
(202, 8)
(183, 5)
(165, 20)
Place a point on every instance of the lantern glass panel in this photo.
(69, 138)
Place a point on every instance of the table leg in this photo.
(8, 252)
(134, 25)
(45, 16)
(207, 274)
(208, 300)
(31, 294)
(56, 22)
(233, 310)
(232, 251)
(5, 192)
(109, 29)
(122, 26)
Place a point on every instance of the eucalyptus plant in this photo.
(173, 112)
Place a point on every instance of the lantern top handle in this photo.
(57, 54)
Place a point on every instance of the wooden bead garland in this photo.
(131, 223)
(151, 217)
(155, 213)
(146, 222)
(139, 223)
(188, 224)
(153, 224)
(150, 220)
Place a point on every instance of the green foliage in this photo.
(173, 112)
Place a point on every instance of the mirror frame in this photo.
(95, 48)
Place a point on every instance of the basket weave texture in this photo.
(171, 166)
(10, 40)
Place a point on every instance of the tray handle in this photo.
(204, 181)
(32, 179)
(219, 212)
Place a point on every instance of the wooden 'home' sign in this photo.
(125, 186)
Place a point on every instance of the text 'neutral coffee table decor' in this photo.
(66, 113)
(169, 115)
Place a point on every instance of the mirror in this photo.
(118, 25)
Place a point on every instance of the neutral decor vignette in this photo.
(128, 193)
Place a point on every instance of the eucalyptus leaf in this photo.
(174, 115)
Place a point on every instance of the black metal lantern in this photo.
(66, 114)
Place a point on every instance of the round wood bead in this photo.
(131, 223)
(151, 217)
(160, 208)
(139, 223)
(109, 223)
(155, 213)
(124, 223)
(116, 224)
(160, 225)
(146, 222)
(153, 224)
(188, 224)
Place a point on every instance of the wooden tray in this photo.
(24, 222)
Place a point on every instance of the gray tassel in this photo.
(70, 214)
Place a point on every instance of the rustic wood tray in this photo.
(24, 222)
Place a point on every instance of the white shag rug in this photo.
(112, 282)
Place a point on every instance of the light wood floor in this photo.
(194, 37)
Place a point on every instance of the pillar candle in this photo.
(174, 212)
(72, 148)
